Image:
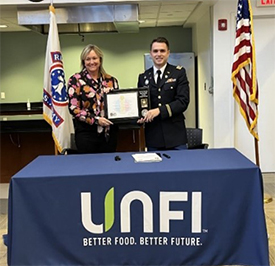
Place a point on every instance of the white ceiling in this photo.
(151, 13)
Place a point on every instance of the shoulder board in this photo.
(179, 67)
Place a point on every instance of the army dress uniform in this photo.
(167, 130)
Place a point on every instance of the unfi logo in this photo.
(165, 214)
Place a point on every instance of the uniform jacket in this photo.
(167, 130)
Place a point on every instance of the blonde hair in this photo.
(99, 53)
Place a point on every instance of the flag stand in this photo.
(267, 197)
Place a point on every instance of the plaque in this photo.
(127, 105)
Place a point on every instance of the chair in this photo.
(194, 138)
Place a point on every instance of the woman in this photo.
(93, 132)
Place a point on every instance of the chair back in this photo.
(73, 145)
(194, 137)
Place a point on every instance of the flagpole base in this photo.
(267, 198)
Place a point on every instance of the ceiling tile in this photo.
(147, 16)
(149, 9)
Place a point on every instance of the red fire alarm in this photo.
(222, 24)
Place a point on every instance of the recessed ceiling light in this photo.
(3, 26)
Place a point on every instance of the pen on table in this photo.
(117, 158)
(166, 155)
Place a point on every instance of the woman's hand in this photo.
(104, 122)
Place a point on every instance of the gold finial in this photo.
(51, 7)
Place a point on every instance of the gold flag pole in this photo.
(55, 150)
(257, 152)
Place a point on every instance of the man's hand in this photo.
(149, 117)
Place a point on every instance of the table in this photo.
(200, 207)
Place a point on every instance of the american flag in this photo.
(55, 99)
(245, 87)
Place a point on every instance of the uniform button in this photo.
(159, 104)
(159, 97)
(159, 89)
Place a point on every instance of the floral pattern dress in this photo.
(86, 96)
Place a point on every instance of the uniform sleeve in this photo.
(77, 109)
(181, 100)
(140, 82)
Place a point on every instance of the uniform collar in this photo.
(161, 69)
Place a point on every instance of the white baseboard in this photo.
(4, 190)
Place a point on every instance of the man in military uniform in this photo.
(169, 96)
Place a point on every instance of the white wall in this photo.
(203, 50)
(229, 127)
(222, 60)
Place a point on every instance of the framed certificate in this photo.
(126, 105)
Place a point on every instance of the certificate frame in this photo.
(127, 105)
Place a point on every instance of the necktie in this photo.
(158, 78)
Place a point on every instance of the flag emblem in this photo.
(56, 118)
(59, 93)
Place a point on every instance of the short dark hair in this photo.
(160, 39)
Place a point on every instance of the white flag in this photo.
(55, 99)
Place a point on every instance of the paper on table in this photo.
(146, 157)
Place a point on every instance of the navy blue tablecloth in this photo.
(200, 207)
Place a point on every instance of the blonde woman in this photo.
(93, 132)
